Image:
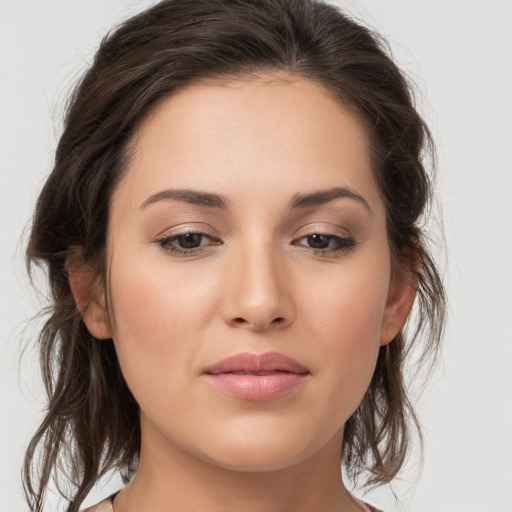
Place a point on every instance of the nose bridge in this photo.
(257, 291)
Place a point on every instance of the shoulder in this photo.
(102, 506)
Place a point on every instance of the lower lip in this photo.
(257, 388)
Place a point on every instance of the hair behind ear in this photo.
(92, 419)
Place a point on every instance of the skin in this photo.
(255, 284)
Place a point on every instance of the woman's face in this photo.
(249, 273)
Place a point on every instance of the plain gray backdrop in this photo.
(459, 55)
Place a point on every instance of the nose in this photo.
(257, 291)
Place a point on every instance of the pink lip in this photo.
(257, 377)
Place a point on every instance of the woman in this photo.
(231, 232)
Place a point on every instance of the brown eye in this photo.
(319, 241)
(189, 240)
(187, 243)
(326, 244)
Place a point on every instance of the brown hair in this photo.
(92, 423)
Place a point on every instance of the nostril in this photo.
(240, 320)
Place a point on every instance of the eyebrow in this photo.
(325, 196)
(211, 200)
(189, 196)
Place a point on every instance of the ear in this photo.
(89, 295)
(402, 291)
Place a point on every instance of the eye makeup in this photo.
(191, 243)
(187, 243)
(329, 230)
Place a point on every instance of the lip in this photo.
(257, 377)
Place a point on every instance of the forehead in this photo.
(280, 132)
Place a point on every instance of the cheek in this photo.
(150, 299)
(345, 319)
(159, 319)
(348, 304)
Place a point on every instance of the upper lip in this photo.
(257, 363)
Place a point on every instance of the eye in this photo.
(322, 243)
(186, 243)
(189, 240)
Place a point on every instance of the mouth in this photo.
(257, 377)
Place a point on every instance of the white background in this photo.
(459, 53)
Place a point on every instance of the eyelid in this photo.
(166, 243)
(314, 228)
(189, 227)
(343, 240)
(166, 240)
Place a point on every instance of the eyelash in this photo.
(344, 244)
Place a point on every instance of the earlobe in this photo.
(402, 291)
(89, 296)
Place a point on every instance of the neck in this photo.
(171, 479)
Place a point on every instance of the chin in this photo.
(256, 461)
(261, 450)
